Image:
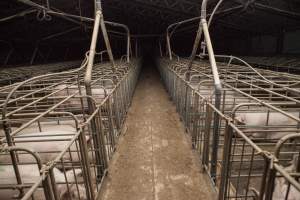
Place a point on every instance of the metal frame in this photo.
(236, 152)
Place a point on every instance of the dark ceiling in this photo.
(252, 17)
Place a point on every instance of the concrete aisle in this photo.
(154, 159)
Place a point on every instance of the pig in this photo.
(98, 93)
(52, 142)
(275, 119)
(30, 174)
(281, 186)
(232, 98)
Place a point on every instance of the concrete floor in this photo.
(154, 159)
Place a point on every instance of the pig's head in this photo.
(240, 118)
(294, 163)
(73, 191)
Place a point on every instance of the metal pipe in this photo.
(128, 36)
(101, 55)
(218, 87)
(160, 49)
(59, 34)
(136, 48)
(107, 43)
(92, 52)
(177, 24)
(49, 11)
(88, 76)
(10, 51)
(34, 53)
(169, 50)
(20, 14)
(102, 24)
(277, 10)
(214, 11)
(8, 56)
(195, 48)
(256, 71)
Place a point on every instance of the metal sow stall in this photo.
(59, 130)
(244, 122)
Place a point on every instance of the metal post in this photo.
(88, 80)
(225, 162)
(160, 49)
(34, 53)
(194, 51)
(136, 48)
(8, 56)
(169, 47)
(107, 43)
(217, 83)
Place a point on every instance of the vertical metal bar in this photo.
(160, 49)
(218, 89)
(136, 48)
(88, 79)
(265, 183)
(208, 119)
(194, 51)
(34, 54)
(225, 162)
(128, 46)
(8, 56)
(270, 184)
(7, 131)
(106, 40)
(169, 50)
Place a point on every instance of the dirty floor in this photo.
(154, 159)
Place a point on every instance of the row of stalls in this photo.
(59, 130)
(10, 75)
(56, 141)
(249, 146)
(289, 64)
(244, 122)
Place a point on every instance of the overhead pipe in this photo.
(48, 10)
(128, 36)
(59, 34)
(70, 17)
(174, 26)
(20, 14)
(277, 10)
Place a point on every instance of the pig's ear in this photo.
(78, 173)
(240, 119)
(295, 161)
(280, 184)
(71, 174)
(62, 191)
(88, 139)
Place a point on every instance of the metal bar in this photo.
(34, 53)
(177, 24)
(59, 34)
(20, 14)
(128, 36)
(277, 10)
